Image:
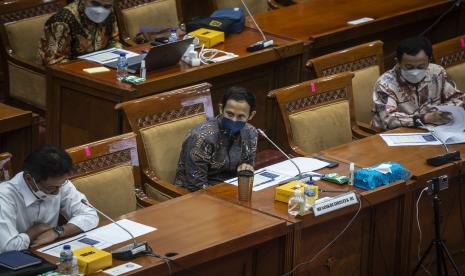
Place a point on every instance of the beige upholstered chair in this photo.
(6, 171)
(317, 114)
(255, 6)
(450, 54)
(162, 122)
(134, 14)
(367, 64)
(108, 173)
(22, 25)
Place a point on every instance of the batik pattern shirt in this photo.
(210, 155)
(70, 33)
(397, 103)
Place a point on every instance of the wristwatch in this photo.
(60, 230)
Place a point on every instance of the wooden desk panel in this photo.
(80, 105)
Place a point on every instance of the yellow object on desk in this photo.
(91, 259)
(286, 191)
(95, 70)
(208, 37)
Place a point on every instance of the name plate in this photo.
(335, 203)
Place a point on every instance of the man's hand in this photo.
(438, 117)
(44, 238)
(36, 230)
(245, 167)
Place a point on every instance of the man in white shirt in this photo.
(31, 202)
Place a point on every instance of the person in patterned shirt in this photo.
(83, 26)
(411, 90)
(217, 149)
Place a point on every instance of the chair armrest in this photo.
(359, 133)
(298, 152)
(143, 200)
(26, 64)
(128, 42)
(163, 185)
(369, 128)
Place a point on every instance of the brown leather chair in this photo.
(161, 122)
(134, 14)
(450, 54)
(22, 25)
(6, 171)
(318, 114)
(107, 172)
(366, 61)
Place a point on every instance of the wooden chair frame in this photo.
(18, 10)
(5, 166)
(450, 52)
(156, 109)
(104, 154)
(350, 60)
(330, 89)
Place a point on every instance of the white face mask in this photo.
(97, 14)
(413, 75)
(40, 194)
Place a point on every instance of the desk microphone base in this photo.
(131, 251)
(444, 159)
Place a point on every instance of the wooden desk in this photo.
(368, 247)
(80, 106)
(373, 150)
(323, 24)
(18, 133)
(210, 236)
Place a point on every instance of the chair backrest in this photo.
(22, 25)
(317, 113)
(367, 64)
(134, 14)
(107, 172)
(255, 6)
(162, 122)
(6, 170)
(450, 54)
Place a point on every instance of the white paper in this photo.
(453, 132)
(360, 20)
(409, 139)
(101, 237)
(121, 269)
(280, 172)
(107, 55)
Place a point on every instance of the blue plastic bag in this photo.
(370, 178)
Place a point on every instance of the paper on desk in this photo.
(453, 132)
(409, 139)
(107, 55)
(101, 237)
(279, 172)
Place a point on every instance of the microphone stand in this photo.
(262, 44)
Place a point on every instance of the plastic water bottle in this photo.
(74, 267)
(122, 67)
(66, 260)
(173, 36)
(296, 204)
(311, 194)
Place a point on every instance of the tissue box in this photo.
(91, 259)
(286, 191)
(208, 37)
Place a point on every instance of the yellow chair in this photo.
(6, 171)
(317, 114)
(22, 25)
(162, 122)
(132, 15)
(366, 61)
(450, 54)
(108, 173)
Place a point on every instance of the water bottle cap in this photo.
(122, 54)
(66, 247)
(173, 29)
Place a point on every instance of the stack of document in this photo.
(107, 55)
(280, 172)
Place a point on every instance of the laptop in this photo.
(158, 57)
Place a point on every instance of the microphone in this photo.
(440, 159)
(299, 176)
(127, 252)
(262, 44)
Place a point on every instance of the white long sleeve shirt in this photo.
(20, 209)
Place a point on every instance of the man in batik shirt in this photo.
(83, 26)
(411, 90)
(217, 149)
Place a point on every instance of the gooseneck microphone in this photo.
(127, 252)
(440, 159)
(262, 44)
(262, 133)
